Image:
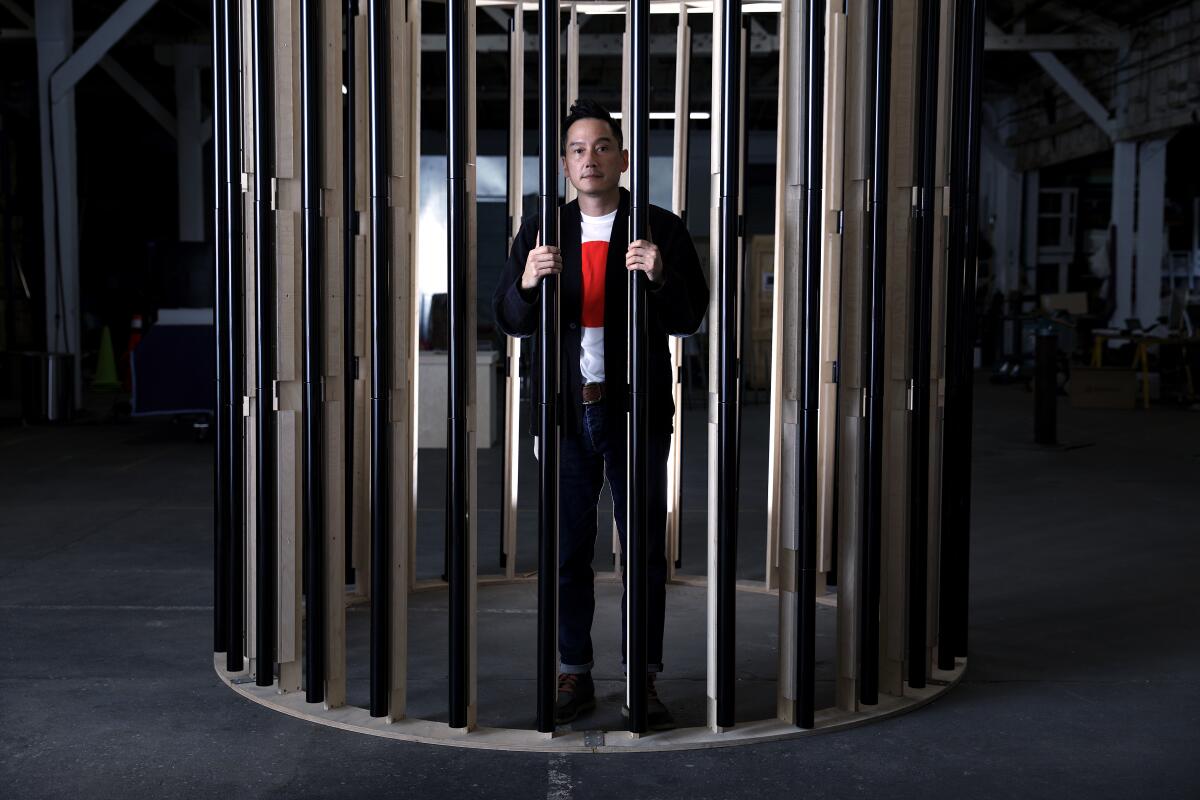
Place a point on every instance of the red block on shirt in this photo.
(595, 255)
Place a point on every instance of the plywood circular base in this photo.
(568, 740)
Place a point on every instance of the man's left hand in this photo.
(643, 255)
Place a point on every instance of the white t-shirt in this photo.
(593, 258)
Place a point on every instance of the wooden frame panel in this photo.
(683, 62)
(333, 359)
(831, 278)
(289, 386)
(361, 540)
(897, 385)
(714, 326)
(850, 396)
(572, 88)
(937, 377)
(405, 184)
(512, 379)
(788, 240)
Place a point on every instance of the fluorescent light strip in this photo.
(667, 115)
(600, 9)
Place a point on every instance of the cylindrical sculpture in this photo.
(867, 98)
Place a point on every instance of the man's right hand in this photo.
(542, 261)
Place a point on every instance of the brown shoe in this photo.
(658, 717)
(576, 695)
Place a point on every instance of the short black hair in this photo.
(585, 108)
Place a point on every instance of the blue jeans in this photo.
(584, 460)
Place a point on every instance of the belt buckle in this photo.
(597, 388)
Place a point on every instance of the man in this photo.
(594, 262)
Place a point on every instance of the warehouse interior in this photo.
(1083, 675)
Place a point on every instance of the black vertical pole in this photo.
(313, 260)
(637, 527)
(961, 320)
(548, 367)
(727, 361)
(221, 496)
(955, 263)
(457, 95)
(921, 324)
(509, 202)
(349, 253)
(875, 264)
(970, 273)
(264, 335)
(379, 147)
(231, 174)
(812, 97)
(960, 289)
(264, 356)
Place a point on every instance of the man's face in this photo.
(593, 163)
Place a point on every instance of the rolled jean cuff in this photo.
(576, 669)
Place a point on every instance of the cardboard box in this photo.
(1075, 303)
(1104, 387)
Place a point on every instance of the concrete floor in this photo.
(1085, 639)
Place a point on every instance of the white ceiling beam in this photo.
(1075, 89)
(1069, 83)
(1052, 41)
(140, 94)
(98, 45)
(604, 44)
(496, 14)
(22, 16)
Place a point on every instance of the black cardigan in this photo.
(677, 307)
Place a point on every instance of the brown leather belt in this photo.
(592, 393)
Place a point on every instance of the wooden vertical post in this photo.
(512, 376)
(289, 338)
(334, 361)
(679, 186)
(788, 240)
(894, 574)
(714, 328)
(831, 279)
(851, 369)
(938, 332)
(360, 551)
(571, 93)
(404, 102)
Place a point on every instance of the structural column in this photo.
(187, 60)
(1125, 164)
(1151, 192)
(54, 21)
